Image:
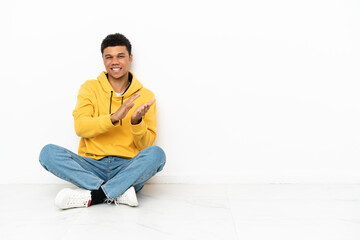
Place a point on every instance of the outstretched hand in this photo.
(140, 112)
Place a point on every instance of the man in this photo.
(115, 116)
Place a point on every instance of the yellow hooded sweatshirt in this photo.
(99, 136)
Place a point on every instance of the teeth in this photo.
(116, 69)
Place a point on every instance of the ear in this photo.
(131, 58)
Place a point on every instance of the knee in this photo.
(46, 154)
(158, 155)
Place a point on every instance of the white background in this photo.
(247, 91)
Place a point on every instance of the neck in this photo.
(119, 84)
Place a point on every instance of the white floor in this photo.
(182, 211)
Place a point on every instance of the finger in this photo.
(151, 102)
(130, 106)
(148, 105)
(132, 98)
(138, 111)
(145, 110)
(142, 111)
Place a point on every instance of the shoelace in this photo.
(116, 201)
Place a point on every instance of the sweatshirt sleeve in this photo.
(145, 132)
(86, 124)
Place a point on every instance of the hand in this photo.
(124, 109)
(140, 112)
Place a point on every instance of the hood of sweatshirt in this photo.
(134, 87)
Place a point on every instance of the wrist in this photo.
(135, 122)
(113, 118)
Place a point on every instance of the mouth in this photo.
(117, 69)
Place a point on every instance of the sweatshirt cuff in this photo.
(139, 129)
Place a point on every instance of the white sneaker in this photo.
(72, 198)
(128, 198)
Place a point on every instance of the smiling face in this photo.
(117, 62)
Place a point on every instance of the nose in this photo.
(115, 61)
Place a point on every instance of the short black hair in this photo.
(116, 39)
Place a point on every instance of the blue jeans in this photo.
(113, 174)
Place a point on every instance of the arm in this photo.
(144, 124)
(86, 124)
